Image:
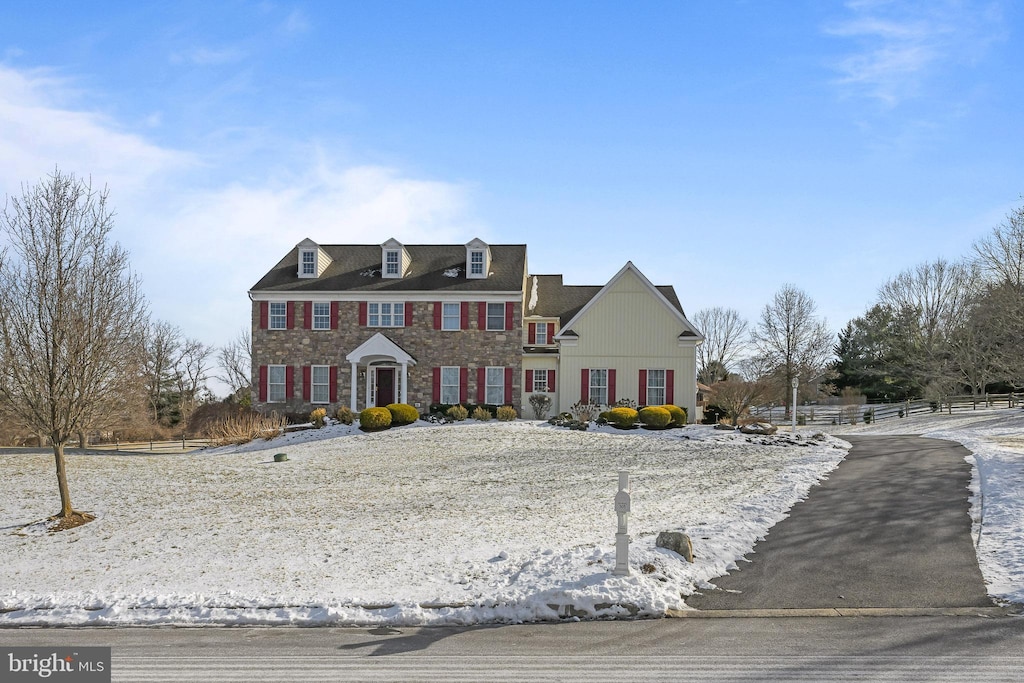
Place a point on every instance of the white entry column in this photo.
(354, 386)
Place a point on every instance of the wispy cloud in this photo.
(297, 22)
(205, 56)
(900, 47)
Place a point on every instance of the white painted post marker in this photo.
(622, 505)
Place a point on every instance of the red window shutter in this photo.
(670, 386)
(464, 316)
(481, 315)
(531, 337)
(289, 382)
(290, 309)
(611, 387)
(334, 383)
(641, 392)
(264, 315)
(408, 308)
(510, 314)
(481, 385)
(334, 315)
(437, 386)
(585, 385)
(362, 314)
(551, 332)
(463, 384)
(529, 382)
(263, 384)
(508, 386)
(438, 307)
(307, 377)
(307, 315)
(551, 381)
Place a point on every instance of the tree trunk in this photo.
(62, 479)
(82, 441)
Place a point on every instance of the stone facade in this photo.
(470, 348)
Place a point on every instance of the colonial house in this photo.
(365, 325)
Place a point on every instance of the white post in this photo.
(405, 383)
(796, 382)
(622, 506)
(354, 385)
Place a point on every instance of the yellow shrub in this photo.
(375, 418)
(482, 414)
(678, 415)
(458, 413)
(318, 416)
(506, 413)
(403, 414)
(345, 415)
(623, 418)
(654, 417)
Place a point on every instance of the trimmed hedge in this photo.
(678, 415)
(403, 414)
(655, 417)
(375, 418)
(622, 417)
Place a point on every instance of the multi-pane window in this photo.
(540, 381)
(450, 385)
(386, 315)
(309, 263)
(451, 317)
(321, 384)
(496, 316)
(542, 333)
(655, 387)
(275, 383)
(495, 393)
(476, 263)
(599, 387)
(278, 316)
(391, 263)
(321, 316)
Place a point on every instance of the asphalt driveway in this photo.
(890, 528)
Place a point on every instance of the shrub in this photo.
(373, 419)
(584, 412)
(713, 414)
(678, 415)
(345, 415)
(801, 419)
(458, 413)
(318, 416)
(245, 427)
(869, 415)
(622, 417)
(482, 414)
(540, 403)
(625, 403)
(403, 414)
(506, 413)
(655, 417)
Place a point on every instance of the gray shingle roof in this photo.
(558, 300)
(356, 267)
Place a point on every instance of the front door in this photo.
(385, 386)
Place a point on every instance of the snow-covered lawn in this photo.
(468, 523)
(996, 439)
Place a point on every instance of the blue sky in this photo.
(725, 148)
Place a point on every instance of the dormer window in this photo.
(478, 259)
(308, 263)
(313, 260)
(395, 259)
(476, 263)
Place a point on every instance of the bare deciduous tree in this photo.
(725, 338)
(792, 339)
(235, 362)
(73, 316)
(736, 396)
(1000, 255)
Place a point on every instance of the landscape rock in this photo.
(677, 542)
(725, 427)
(759, 428)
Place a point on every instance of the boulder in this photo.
(725, 427)
(759, 428)
(677, 542)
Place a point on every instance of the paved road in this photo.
(889, 528)
(810, 649)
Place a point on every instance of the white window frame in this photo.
(489, 316)
(447, 320)
(476, 262)
(598, 386)
(321, 316)
(653, 387)
(538, 337)
(385, 314)
(494, 385)
(277, 320)
(307, 263)
(392, 263)
(320, 387)
(276, 389)
(540, 387)
(448, 385)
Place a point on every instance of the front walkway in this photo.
(890, 528)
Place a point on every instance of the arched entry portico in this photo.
(387, 369)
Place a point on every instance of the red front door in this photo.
(385, 386)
